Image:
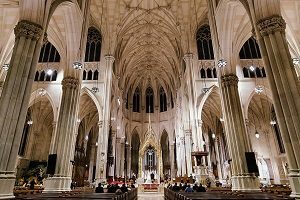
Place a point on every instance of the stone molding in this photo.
(229, 79)
(188, 56)
(109, 58)
(28, 29)
(100, 124)
(70, 82)
(271, 25)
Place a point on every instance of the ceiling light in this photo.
(213, 136)
(5, 67)
(95, 89)
(77, 65)
(50, 71)
(296, 61)
(42, 91)
(272, 122)
(252, 68)
(205, 89)
(259, 89)
(96, 144)
(30, 122)
(222, 63)
(86, 137)
(256, 134)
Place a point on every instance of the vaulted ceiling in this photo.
(148, 37)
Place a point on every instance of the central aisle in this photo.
(150, 196)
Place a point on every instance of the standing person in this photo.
(32, 183)
(188, 188)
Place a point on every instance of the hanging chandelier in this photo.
(259, 89)
(95, 89)
(77, 65)
(222, 63)
(256, 134)
(5, 67)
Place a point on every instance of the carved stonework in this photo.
(271, 25)
(229, 79)
(28, 29)
(188, 57)
(70, 82)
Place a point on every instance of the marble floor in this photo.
(150, 196)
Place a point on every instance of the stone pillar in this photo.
(171, 149)
(100, 160)
(200, 142)
(15, 98)
(248, 140)
(92, 161)
(1, 87)
(118, 156)
(53, 137)
(128, 160)
(122, 159)
(218, 158)
(188, 151)
(236, 135)
(113, 165)
(103, 134)
(182, 161)
(65, 137)
(283, 82)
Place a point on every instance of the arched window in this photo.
(90, 75)
(84, 75)
(204, 43)
(258, 72)
(36, 77)
(49, 53)
(162, 100)
(215, 73)
(149, 100)
(246, 72)
(42, 76)
(203, 73)
(54, 76)
(209, 73)
(250, 50)
(93, 45)
(96, 74)
(127, 102)
(263, 72)
(136, 100)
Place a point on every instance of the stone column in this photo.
(218, 158)
(171, 149)
(188, 151)
(100, 160)
(1, 87)
(101, 155)
(248, 140)
(113, 141)
(236, 135)
(53, 137)
(182, 160)
(65, 137)
(128, 160)
(118, 156)
(200, 142)
(92, 161)
(122, 159)
(15, 98)
(283, 82)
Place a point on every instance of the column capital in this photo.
(28, 29)
(109, 57)
(70, 82)
(113, 133)
(229, 79)
(54, 123)
(100, 123)
(188, 56)
(118, 140)
(271, 25)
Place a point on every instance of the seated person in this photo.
(195, 187)
(124, 188)
(201, 188)
(176, 188)
(188, 188)
(118, 192)
(132, 185)
(99, 189)
(32, 183)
